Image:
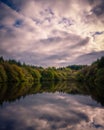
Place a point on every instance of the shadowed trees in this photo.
(93, 74)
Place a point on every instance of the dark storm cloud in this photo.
(89, 57)
(27, 57)
(60, 32)
(99, 9)
(82, 43)
(96, 13)
(91, 1)
(50, 40)
(58, 56)
(94, 34)
(5, 53)
(47, 11)
(66, 22)
(99, 33)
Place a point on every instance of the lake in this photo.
(51, 106)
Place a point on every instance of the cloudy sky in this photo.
(52, 32)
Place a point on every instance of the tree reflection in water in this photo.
(11, 92)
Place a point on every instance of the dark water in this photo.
(51, 106)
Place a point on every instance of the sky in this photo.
(52, 32)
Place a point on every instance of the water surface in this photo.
(41, 107)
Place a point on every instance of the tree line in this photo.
(15, 71)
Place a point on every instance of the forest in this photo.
(15, 71)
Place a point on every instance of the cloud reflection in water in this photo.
(49, 111)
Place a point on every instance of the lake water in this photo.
(60, 106)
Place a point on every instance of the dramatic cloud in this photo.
(51, 32)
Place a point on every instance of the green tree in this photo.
(1, 59)
(34, 72)
(3, 76)
(19, 72)
(100, 77)
(11, 73)
(47, 75)
(101, 62)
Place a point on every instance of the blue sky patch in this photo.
(10, 4)
(18, 23)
